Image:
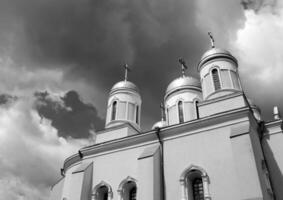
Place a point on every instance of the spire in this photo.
(162, 112)
(126, 71)
(211, 40)
(183, 65)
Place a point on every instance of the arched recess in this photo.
(102, 191)
(195, 102)
(215, 74)
(194, 184)
(127, 189)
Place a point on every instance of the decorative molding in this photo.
(168, 132)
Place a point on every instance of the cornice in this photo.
(166, 133)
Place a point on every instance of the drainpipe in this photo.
(162, 163)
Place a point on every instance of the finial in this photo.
(162, 112)
(211, 40)
(276, 113)
(126, 71)
(183, 65)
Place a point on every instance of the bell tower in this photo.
(218, 72)
(124, 103)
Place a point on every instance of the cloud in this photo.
(31, 152)
(259, 48)
(69, 114)
(89, 41)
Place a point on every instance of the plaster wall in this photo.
(224, 104)
(212, 151)
(57, 189)
(115, 167)
(273, 151)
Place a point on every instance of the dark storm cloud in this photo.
(91, 39)
(69, 115)
(7, 99)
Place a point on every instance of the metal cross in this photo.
(126, 71)
(183, 65)
(211, 40)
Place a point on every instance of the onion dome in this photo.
(185, 82)
(124, 85)
(214, 53)
(159, 124)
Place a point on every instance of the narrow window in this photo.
(137, 114)
(196, 107)
(180, 111)
(133, 194)
(114, 108)
(197, 188)
(216, 80)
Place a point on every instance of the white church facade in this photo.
(211, 144)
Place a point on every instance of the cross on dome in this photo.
(127, 68)
(211, 40)
(183, 66)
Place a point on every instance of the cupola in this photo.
(181, 98)
(162, 123)
(124, 104)
(218, 72)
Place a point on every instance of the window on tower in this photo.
(114, 110)
(216, 79)
(137, 114)
(180, 112)
(196, 108)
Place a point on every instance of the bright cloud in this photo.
(259, 49)
(31, 153)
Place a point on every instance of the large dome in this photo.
(215, 53)
(186, 82)
(125, 85)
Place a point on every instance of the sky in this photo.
(59, 60)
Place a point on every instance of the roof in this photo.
(125, 85)
(185, 82)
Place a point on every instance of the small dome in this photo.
(125, 85)
(159, 124)
(215, 53)
(186, 82)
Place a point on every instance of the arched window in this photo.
(133, 193)
(102, 191)
(180, 112)
(114, 110)
(196, 109)
(194, 184)
(137, 114)
(216, 79)
(128, 189)
(197, 188)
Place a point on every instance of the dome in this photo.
(186, 82)
(214, 53)
(159, 124)
(124, 85)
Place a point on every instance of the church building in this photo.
(211, 144)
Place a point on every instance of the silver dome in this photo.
(159, 124)
(215, 53)
(186, 82)
(124, 85)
